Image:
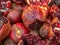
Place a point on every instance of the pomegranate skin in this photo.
(17, 31)
(5, 29)
(14, 16)
(34, 15)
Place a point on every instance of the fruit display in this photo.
(30, 22)
(17, 31)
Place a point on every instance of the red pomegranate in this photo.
(4, 27)
(14, 16)
(17, 31)
(33, 16)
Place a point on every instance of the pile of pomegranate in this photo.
(29, 22)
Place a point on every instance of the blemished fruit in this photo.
(17, 31)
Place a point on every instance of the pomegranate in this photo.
(59, 6)
(18, 1)
(6, 13)
(8, 4)
(46, 31)
(38, 2)
(33, 2)
(34, 16)
(9, 42)
(14, 6)
(45, 2)
(4, 27)
(17, 31)
(56, 38)
(14, 16)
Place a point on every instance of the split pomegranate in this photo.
(17, 31)
(14, 6)
(30, 39)
(14, 16)
(4, 27)
(59, 6)
(34, 16)
(56, 39)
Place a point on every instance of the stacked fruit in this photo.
(29, 22)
